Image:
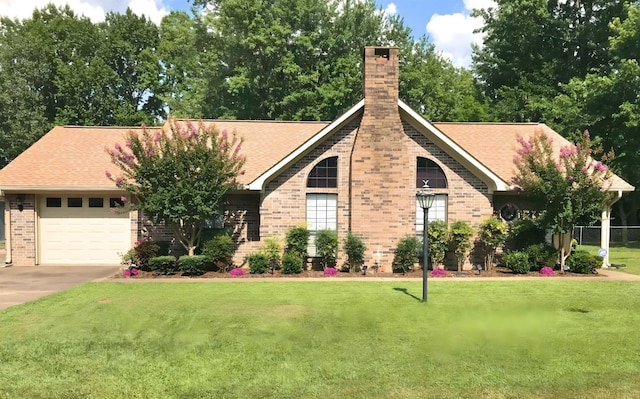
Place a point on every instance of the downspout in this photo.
(353, 146)
(7, 231)
(605, 228)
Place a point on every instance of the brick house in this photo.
(357, 173)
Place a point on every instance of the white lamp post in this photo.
(425, 197)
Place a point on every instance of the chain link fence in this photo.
(620, 235)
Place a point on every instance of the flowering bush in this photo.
(438, 272)
(237, 272)
(546, 270)
(330, 271)
(130, 271)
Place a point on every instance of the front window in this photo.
(322, 213)
(438, 211)
(428, 170)
(324, 174)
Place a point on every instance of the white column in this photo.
(7, 230)
(605, 233)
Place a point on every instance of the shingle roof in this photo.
(74, 157)
(495, 145)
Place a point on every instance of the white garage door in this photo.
(82, 230)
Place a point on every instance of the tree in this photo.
(179, 176)
(460, 233)
(565, 189)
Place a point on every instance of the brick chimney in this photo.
(382, 171)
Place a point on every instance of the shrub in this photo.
(219, 250)
(517, 262)
(541, 255)
(258, 263)
(128, 258)
(145, 249)
(583, 262)
(192, 265)
(438, 241)
(237, 272)
(297, 241)
(327, 247)
(273, 252)
(547, 271)
(438, 272)
(406, 255)
(291, 264)
(491, 234)
(163, 264)
(523, 233)
(354, 248)
(460, 233)
(330, 271)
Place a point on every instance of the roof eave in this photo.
(259, 183)
(47, 189)
(492, 180)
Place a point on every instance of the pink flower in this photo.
(128, 143)
(330, 271)
(237, 272)
(107, 173)
(599, 166)
(546, 271)
(157, 137)
(438, 272)
(123, 199)
(242, 173)
(584, 169)
(565, 152)
(118, 147)
(118, 180)
(224, 134)
(549, 139)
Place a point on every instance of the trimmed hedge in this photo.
(517, 262)
(163, 264)
(583, 262)
(192, 265)
(258, 263)
(291, 264)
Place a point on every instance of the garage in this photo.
(82, 230)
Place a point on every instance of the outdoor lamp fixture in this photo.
(19, 200)
(425, 197)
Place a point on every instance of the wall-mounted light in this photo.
(19, 202)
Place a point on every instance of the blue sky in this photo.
(447, 23)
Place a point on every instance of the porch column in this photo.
(7, 230)
(605, 228)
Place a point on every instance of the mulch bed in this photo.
(495, 272)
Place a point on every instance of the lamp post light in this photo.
(425, 197)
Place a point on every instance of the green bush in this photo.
(258, 263)
(163, 264)
(192, 265)
(297, 241)
(583, 262)
(460, 234)
(492, 233)
(219, 248)
(273, 251)
(541, 255)
(406, 254)
(438, 241)
(523, 233)
(354, 248)
(291, 264)
(517, 262)
(145, 249)
(327, 247)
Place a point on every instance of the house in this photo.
(357, 173)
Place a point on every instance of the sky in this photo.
(447, 23)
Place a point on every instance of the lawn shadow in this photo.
(404, 291)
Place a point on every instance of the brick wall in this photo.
(23, 230)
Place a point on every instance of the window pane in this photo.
(438, 211)
(54, 202)
(74, 202)
(324, 174)
(426, 169)
(322, 213)
(96, 202)
(115, 203)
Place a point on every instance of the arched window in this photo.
(324, 174)
(429, 170)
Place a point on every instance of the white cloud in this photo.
(453, 34)
(92, 9)
(391, 9)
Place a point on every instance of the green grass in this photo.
(625, 255)
(508, 339)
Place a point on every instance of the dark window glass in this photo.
(54, 202)
(74, 202)
(324, 174)
(96, 202)
(429, 170)
(115, 202)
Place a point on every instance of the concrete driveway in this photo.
(20, 284)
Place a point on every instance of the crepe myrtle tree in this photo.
(178, 175)
(566, 187)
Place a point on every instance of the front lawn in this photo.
(622, 255)
(508, 339)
